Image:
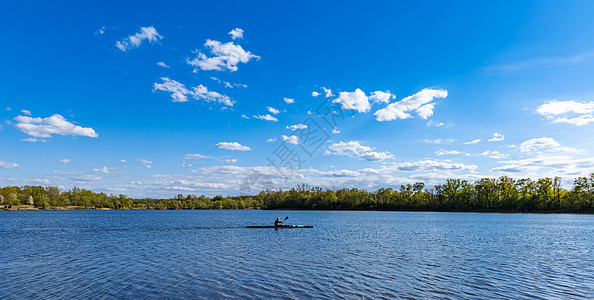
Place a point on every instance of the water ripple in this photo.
(352, 255)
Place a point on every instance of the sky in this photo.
(213, 98)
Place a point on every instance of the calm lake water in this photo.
(210, 254)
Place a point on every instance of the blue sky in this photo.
(159, 99)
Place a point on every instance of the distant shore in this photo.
(71, 208)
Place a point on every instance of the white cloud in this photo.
(432, 123)
(56, 124)
(196, 156)
(432, 165)
(335, 130)
(226, 56)
(104, 170)
(202, 92)
(65, 161)
(497, 137)
(356, 100)
(146, 163)
(315, 94)
(266, 117)
(438, 141)
(570, 112)
(7, 165)
(236, 33)
(245, 117)
(228, 84)
(447, 152)
(26, 112)
(231, 160)
(376, 156)
(33, 140)
(134, 41)
(494, 154)
(289, 100)
(550, 166)
(273, 110)
(328, 92)
(270, 140)
(179, 92)
(544, 144)
(177, 89)
(472, 142)
(100, 31)
(297, 126)
(419, 102)
(233, 146)
(354, 148)
(162, 64)
(123, 160)
(381, 97)
(291, 139)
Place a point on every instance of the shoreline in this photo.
(78, 208)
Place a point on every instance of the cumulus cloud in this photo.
(7, 165)
(419, 102)
(233, 146)
(355, 149)
(544, 144)
(236, 33)
(104, 170)
(438, 141)
(289, 100)
(225, 56)
(56, 124)
(570, 112)
(328, 92)
(494, 154)
(179, 92)
(335, 130)
(297, 126)
(441, 152)
(291, 139)
(26, 112)
(273, 110)
(202, 92)
(381, 97)
(177, 89)
(266, 117)
(497, 137)
(245, 117)
(315, 94)
(356, 100)
(472, 142)
(270, 140)
(133, 41)
(548, 166)
(432, 165)
(376, 156)
(145, 163)
(162, 64)
(33, 140)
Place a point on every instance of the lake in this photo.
(210, 254)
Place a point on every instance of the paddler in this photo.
(278, 222)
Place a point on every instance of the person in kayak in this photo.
(278, 222)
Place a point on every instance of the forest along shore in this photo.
(503, 194)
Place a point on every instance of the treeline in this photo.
(503, 194)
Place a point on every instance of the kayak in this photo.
(285, 226)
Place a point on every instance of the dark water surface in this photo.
(209, 254)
